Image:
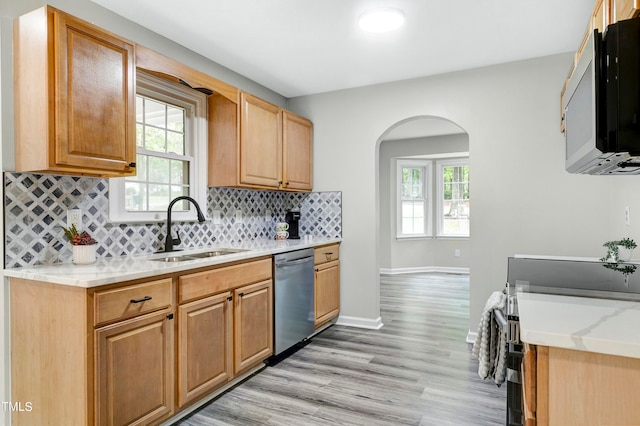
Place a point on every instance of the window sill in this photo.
(413, 237)
(452, 237)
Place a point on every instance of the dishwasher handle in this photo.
(286, 263)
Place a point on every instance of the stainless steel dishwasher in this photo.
(293, 294)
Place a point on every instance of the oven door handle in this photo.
(500, 319)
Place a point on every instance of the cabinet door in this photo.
(260, 143)
(297, 152)
(94, 97)
(205, 349)
(134, 371)
(625, 9)
(253, 324)
(327, 291)
(528, 375)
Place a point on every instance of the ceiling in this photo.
(301, 47)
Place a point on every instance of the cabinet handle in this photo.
(329, 253)
(229, 298)
(317, 270)
(169, 316)
(132, 165)
(144, 299)
(241, 294)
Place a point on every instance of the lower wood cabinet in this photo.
(225, 318)
(327, 284)
(571, 387)
(136, 353)
(253, 321)
(134, 370)
(205, 348)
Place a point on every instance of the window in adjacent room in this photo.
(453, 198)
(414, 206)
(171, 136)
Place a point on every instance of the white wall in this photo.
(524, 201)
(401, 254)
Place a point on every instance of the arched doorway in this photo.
(431, 144)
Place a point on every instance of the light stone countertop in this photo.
(114, 270)
(604, 326)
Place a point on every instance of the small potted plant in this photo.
(84, 246)
(619, 251)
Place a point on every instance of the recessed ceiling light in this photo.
(381, 20)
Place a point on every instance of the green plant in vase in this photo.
(619, 251)
(78, 238)
(83, 245)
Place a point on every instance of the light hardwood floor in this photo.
(416, 370)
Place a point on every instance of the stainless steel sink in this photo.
(171, 259)
(206, 254)
(214, 253)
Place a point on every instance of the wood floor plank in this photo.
(416, 370)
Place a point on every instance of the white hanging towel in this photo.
(490, 347)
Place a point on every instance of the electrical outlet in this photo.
(74, 218)
(238, 216)
(267, 214)
(627, 216)
(217, 217)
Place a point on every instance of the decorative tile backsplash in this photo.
(36, 210)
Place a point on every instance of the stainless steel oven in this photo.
(571, 277)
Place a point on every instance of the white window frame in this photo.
(195, 105)
(427, 189)
(440, 165)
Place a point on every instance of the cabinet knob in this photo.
(132, 165)
(286, 184)
(144, 299)
(317, 270)
(169, 316)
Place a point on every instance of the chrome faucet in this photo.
(170, 242)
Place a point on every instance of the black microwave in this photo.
(602, 104)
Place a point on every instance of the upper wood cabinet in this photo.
(297, 152)
(258, 145)
(260, 142)
(74, 97)
(624, 9)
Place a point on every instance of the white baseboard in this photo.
(424, 269)
(372, 324)
(471, 336)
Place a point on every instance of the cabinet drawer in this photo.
(201, 284)
(130, 301)
(326, 254)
